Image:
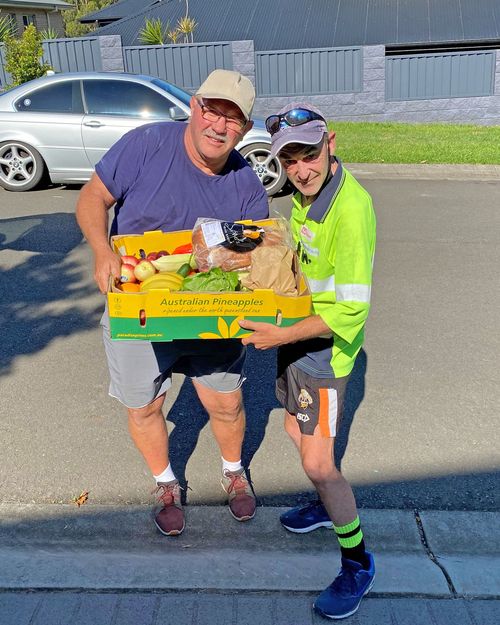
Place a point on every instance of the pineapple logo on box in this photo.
(226, 331)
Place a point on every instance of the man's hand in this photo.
(107, 263)
(265, 335)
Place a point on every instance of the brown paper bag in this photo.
(271, 268)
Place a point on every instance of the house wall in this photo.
(43, 19)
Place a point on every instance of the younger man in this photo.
(333, 226)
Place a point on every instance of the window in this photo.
(13, 22)
(29, 19)
(120, 97)
(61, 97)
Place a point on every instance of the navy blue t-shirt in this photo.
(157, 187)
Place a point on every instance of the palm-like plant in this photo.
(154, 33)
(49, 33)
(6, 27)
(186, 26)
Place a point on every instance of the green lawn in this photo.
(362, 142)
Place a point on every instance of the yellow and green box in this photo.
(163, 315)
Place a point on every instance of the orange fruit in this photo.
(130, 287)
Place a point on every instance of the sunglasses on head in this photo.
(294, 117)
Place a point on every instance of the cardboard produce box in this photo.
(164, 315)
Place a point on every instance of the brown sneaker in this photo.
(170, 519)
(240, 494)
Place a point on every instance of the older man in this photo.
(164, 176)
(333, 226)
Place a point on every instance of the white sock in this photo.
(165, 476)
(230, 466)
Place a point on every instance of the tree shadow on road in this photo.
(190, 418)
(41, 293)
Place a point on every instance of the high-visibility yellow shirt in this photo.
(335, 238)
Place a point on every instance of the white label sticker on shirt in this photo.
(306, 233)
(212, 233)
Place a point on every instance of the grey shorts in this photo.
(315, 402)
(142, 370)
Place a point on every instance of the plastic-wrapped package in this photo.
(229, 245)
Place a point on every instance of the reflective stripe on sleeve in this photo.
(353, 293)
(319, 286)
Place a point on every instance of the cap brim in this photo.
(296, 135)
(218, 96)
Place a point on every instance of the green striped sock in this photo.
(351, 542)
(349, 535)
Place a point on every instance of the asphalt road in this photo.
(420, 429)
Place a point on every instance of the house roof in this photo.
(35, 4)
(296, 24)
(117, 11)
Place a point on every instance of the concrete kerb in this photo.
(424, 171)
(116, 548)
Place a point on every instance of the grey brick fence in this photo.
(368, 66)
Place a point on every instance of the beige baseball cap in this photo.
(224, 84)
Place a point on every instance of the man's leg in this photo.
(227, 420)
(343, 596)
(318, 462)
(149, 432)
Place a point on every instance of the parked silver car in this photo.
(60, 126)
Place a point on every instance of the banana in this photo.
(170, 263)
(170, 280)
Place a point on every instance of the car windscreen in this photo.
(177, 92)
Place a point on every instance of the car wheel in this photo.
(267, 167)
(21, 166)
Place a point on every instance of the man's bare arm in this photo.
(267, 335)
(92, 209)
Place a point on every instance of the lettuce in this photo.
(213, 280)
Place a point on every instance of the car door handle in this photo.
(93, 124)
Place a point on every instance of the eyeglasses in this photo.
(294, 117)
(213, 115)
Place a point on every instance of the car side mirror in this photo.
(177, 114)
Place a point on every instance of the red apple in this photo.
(152, 256)
(163, 253)
(144, 269)
(129, 260)
(127, 273)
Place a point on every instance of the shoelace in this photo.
(309, 507)
(345, 582)
(238, 483)
(167, 496)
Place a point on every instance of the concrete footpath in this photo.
(106, 564)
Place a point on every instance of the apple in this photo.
(129, 260)
(152, 256)
(144, 269)
(127, 273)
(162, 253)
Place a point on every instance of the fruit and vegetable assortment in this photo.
(220, 258)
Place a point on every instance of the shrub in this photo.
(23, 56)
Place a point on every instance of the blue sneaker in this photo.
(306, 518)
(343, 596)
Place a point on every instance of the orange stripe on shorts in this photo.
(324, 413)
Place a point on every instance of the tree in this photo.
(23, 56)
(71, 17)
